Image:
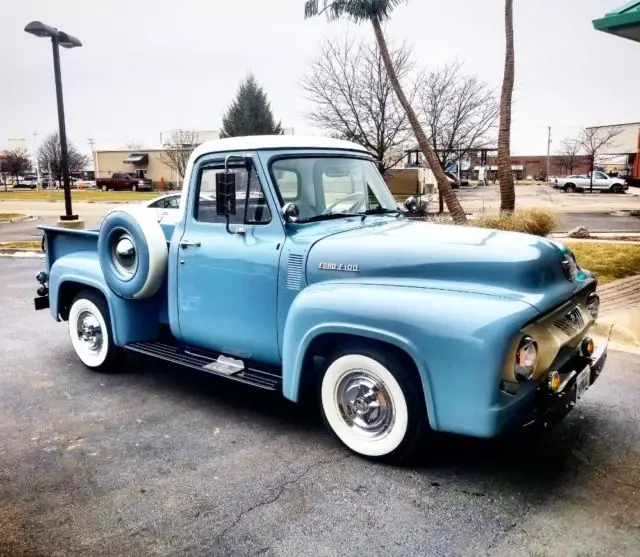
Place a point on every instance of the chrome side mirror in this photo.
(290, 212)
(411, 204)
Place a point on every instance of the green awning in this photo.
(623, 22)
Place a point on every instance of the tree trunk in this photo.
(507, 191)
(455, 209)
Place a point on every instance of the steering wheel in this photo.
(351, 207)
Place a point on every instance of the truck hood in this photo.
(458, 258)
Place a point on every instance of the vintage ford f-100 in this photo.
(292, 268)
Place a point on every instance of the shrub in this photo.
(529, 221)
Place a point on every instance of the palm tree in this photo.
(507, 191)
(376, 12)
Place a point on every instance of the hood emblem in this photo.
(350, 267)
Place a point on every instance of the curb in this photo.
(619, 327)
(21, 254)
(23, 218)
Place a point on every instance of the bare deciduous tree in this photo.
(16, 163)
(354, 97)
(50, 156)
(592, 141)
(377, 12)
(178, 149)
(570, 149)
(459, 112)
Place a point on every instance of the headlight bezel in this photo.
(526, 359)
(593, 300)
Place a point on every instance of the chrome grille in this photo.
(294, 271)
(571, 322)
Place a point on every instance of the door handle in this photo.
(186, 243)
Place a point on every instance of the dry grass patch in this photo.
(608, 260)
(9, 216)
(31, 245)
(529, 221)
(78, 195)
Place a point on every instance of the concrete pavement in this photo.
(161, 461)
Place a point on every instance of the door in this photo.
(228, 281)
(600, 181)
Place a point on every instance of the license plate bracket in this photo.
(583, 382)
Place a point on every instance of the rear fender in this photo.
(131, 320)
(458, 341)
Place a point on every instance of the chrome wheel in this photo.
(365, 404)
(90, 332)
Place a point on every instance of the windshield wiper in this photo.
(381, 211)
(329, 216)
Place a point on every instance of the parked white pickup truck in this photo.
(601, 182)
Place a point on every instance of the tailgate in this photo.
(58, 241)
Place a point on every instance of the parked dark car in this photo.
(119, 181)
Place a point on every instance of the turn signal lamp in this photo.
(588, 347)
(554, 381)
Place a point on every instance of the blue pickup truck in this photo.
(291, 268)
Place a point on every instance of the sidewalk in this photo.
(620, 314)
(620, 294)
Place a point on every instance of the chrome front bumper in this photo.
(577, 375)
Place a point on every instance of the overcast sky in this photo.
(148, 66)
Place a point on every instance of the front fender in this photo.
(131, 320)
(458, 341)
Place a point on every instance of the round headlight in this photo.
(593, 305)
(526, 359)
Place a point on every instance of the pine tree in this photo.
(250, 112)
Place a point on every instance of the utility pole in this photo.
(35, 156)
(548, 153)
(94, 156)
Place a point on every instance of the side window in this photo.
(600, 176)
(288, 183)
(172, 203)
(257, 209)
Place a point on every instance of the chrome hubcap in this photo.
(125, 257)
(90, 332)
(365, 405)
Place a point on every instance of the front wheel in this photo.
(617, 188)
(90, 332)
(373, 403)
(134, 188)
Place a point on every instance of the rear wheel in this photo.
(373, 403)
(104, 187)
(570, 188)
(90, 332)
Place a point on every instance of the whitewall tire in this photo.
(370, 401)
(90, 332)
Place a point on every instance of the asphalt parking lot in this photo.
(159, 461)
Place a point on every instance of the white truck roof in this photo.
(255, 142)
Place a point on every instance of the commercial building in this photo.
(155, 163)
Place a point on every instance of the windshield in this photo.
(326, 187)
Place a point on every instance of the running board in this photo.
(210, 362)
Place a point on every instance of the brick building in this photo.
(535, 167)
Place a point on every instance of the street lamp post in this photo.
(59, 38)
